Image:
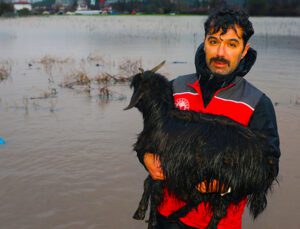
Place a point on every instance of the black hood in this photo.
(243, 68)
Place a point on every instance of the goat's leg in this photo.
(219, 212)
(195, 200)
(181, 212)
(152, 222)
(155, 200)
(213, 223)
(143, 205)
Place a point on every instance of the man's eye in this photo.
(232, 45)
(213, 42)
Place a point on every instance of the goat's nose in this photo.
(128, 107)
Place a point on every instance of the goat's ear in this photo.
(137, 95)
(155, 69)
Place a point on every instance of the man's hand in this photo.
(152, 163)
(214, 186)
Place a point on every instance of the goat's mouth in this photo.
(127, 108)
(136, 97)
(131, 105)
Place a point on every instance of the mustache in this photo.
(219, 59)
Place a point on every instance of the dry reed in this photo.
(5, 70)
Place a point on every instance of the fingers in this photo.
(201, 187)
(153, 166)
(157, 161)
(213, 186)
(157, 175)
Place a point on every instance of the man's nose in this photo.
(221, 50)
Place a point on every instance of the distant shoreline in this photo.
(137, 15)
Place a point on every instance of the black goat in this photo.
(195, 147)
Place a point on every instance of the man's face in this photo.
(224, 52)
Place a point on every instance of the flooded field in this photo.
(68, 160)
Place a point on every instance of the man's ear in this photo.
(246, 48)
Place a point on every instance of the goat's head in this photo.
(149, 86)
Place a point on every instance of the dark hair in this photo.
(225, 18)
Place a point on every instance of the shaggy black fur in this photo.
(196, 147)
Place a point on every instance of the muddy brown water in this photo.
(68, 161)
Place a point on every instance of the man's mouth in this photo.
(219, 62)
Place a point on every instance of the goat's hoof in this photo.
(139, 214)
(152, 225)
(211, 226)
(173, 216)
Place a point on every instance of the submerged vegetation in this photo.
(99, 85)
(5, 70)
(102, 85)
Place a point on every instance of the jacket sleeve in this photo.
(264, 121)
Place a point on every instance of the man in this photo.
(218, 88)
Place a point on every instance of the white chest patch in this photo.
(182, 104)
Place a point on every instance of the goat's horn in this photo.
(155, 69)
(142, 70)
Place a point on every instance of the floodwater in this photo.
(68, 161)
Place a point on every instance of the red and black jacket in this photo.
(231, 96)
(236, 101)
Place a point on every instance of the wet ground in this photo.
(68, 161)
